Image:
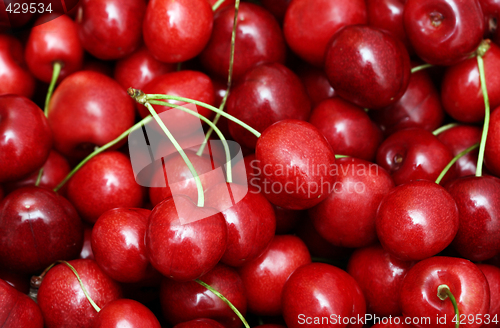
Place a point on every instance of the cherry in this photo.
(347, 216)
(105, 182)
(417, 220)
(87, 252)
(185, 301)
(62, 300)
(258, 40)
(88, 109)
(37, 228)
(184, 241)
(199, 323)
(423, 287)
(367, 66)
(444, 32)
(373, 261)
(347, 128)
(15, 76)
(492, 150)
(266, 94)
(139, 68)
(265, 277)
(309, 25)
(413, 154)
(492, 274)
(316, 82)
(491, 11)
(110, 29)
(188, 29)
(12, 19)
(21, 282)
(25, 137)
(125, 313)
(51, 42)
(393, 322)
(17, 309)
(294, 160)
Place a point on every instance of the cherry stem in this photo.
(341, 156)
(225, 300)
(55, 75)
(99, 150)
(444, 128)
(482, 77)
(421, 67)
(454, 160)
(229, 77)
(217, 5)
(443, 292)
(212, 108)
(39, 177)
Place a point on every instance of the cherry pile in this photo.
(272, 163)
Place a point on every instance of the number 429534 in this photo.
(476, 319)
(17, 8)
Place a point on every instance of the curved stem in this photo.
(99, 150)
(55, 75)
(201, 197)
(341, 156)
(419, 68)
(444, 128)
(225, 300)
(482, 77)
(443, 292)
(217, 5)
(212, 126)
(39, 177)
(91, 301)
(454, 160)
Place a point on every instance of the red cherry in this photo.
(317, 85)
(15, 76)
(309, 25)
(492, 150)
(110, 29)
(265, 277)
(492, 274)
(199, 323)
(21, 282)
(367, 67)
(17, 309)
(62, 300)
(125, 313)
(25, 137)
(491, 11)
(86, 252)
(417, 220)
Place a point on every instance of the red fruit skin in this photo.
(417, 220)
(492, 150)
(128, 313)
(321, 290)
(285, 151)
(188, 29)
(491, 11)
(25, 137)
(88, 109)
(347, 216)
(53, 41)
(373, 82)
(110, 29)
(478, 201)
(199, 323)
(105, 182)
(15, 76)
(17, 309)
(139, 68)
(374, 261)
(461, 92)
(395, 322)
(20, 282)
(258, 40)
(37, 228)
(266, 94)
(185, 301)
(186, 251)
(467, 283)
(419, 107)
(492, 274)
(444, 32)
(316, 82)
(265, 277)
(62, 300)
(347, 128)
(86, 253)
(309, 40)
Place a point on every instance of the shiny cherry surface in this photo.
(15, 76)
(17, 309)
(492, 151)
(492, 274)
(125, 313)
(316, 82)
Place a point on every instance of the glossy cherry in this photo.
(316, 82)
(125, 313)
(309, 25)
(21, 282)
(492, 274)
(17, 309)
(15, 76)
(417, 220)
(367, 66)
(491, 12)
(286, 220)
(25, 137)
(492, 151)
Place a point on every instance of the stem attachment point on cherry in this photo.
(55, 75)
(443, 292)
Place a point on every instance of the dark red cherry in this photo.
(492, 274)
(258, 40)
(492, 151)
(417, 220)
(110, 29)
(21, 282)
(125, 313)
(491, 12)
(316, 82)
(266, 94)
(309, 25)
(17, 309)
(199, 323)
(444, 32)
(367, 66)
(25, 137)
(15, 76)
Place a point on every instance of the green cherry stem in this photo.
(419, 68)
(225, 300)
(443, 292)
(99, 150)
(217, 5)
(341, 156)
(482, 77)
(454, 160)
(444, 128)
(39, 177)
(55, 75)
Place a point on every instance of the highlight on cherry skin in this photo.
(249, 163)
